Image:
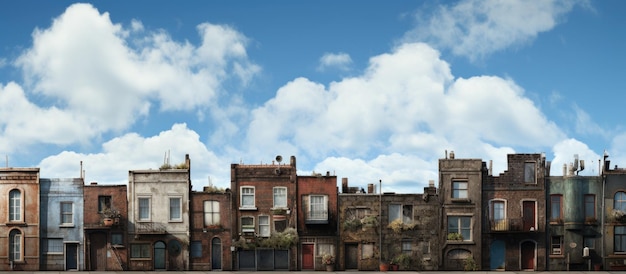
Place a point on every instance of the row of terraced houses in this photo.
(273, 219)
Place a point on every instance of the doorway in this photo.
(159, 256)
(528, 255)
(307, 256)
(216, 253)
(71, 256)
(352, 256)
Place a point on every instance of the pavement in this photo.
(318, 272)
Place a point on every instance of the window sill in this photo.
(461, 200)
(247, 208)
(67, 226)
(460, 242)
(118, 246)
(14, 223)
(557, 256)
(141, 259)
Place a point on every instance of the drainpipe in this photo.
(602, 227)
(380, 221)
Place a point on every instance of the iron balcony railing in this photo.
(512, 225)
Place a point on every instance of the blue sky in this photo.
(362, 89)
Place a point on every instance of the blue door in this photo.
(159, 255)
(71, 257)
(216, 253)
(497, 254)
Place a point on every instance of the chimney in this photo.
(452, 154)
(490, 167)
(344, 185)
(370, 188)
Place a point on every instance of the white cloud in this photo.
(134, 152)
(84, 66)
(341, 61)
(564, 152)
(475, 28)
(406, 104)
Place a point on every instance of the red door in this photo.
(307, 256)
(528, 255)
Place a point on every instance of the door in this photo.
(307, 256)
(352, 256)
(216, 253)
(496, 255)
(71, 256)
(97, 251)
(529, 215)
(528, 255)
(159, 255)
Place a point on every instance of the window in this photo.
(52, 246)
(15, 205)
(556, 207)
(589, 242)
(67, 216)
(104, 202)
(318, 207)
(460, 225)
(264, 226)
(140, 251)
(280, 197)
(497, 210)
(15, 245)
(176, 209)
(407, 246)
(367, 251)
(402, 212)
(619, 201)
(619, 235)
(117, 239)
(211, 213)
(529, 172)
(196, 249)
(590, 207)
(426, 247)
(247, 224)
(459, 190)
(247, 197)
(144, 209)
(325, 248)
(280, 225)
(557, 244)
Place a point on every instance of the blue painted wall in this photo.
(53, 193)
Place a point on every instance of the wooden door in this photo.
(216, 253)
(352, 256)
(529, 215)
(307, 256)
(71, 256)
(97, 251)
(528, 255)
(159, 256)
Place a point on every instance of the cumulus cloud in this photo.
(564, 152)
(341, 61)
(407, 105)
(133, 152)
(86, 66)
(475, 28)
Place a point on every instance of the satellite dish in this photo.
(279, 158)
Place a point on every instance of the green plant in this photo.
(453, 236)
(351, 224)
(470, 264)
(369, 221)
(281, 240)
(404, 260)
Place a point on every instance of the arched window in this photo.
(619, 201)
(15, 245)
(15, 205)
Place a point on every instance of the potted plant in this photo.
(369, 222)
(108, 215)
(403, 260)
(453, 236)
(329, 261)
(618, 215)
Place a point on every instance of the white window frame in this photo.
(66, 213)
(533, 169)
(242, 189)
(16, 205)
(556, 248)
(463, 193)
(16, 245)
(248, 228)
(265, 230)
(280, 197)
(321, 216)
(149, 208)
(172, 211)
(211, 212)
(53, 243)
(460, 227)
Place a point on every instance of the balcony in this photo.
(511, 225)
(150, 228)
(316, 217)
